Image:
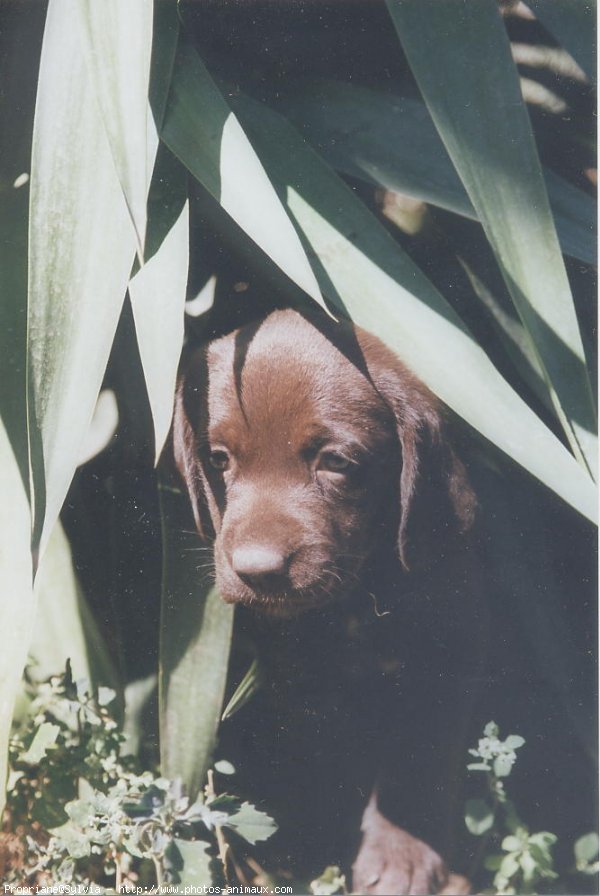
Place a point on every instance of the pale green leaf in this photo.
(575, 216)
(64, 627)
(44, 738)
(463, 65)
(479, 817)
(528, 866)
(190, 863)
(252, 824)
(512, 334)
(18, 39)
(544, 839)
(509, 866)
(195, 637)
(512, 843)
(503, 766)
(573, 24)
(330, 882)
(390, 140)
(118, 44)
(17, 604)
(74, 841)
(138, 693)
(81, 248)
(493, 862)
(158, 291)
(201, 130)
(102, 428)
(224, 767)
(367, 276)
(586, 848)
(14, 203)
(248, 686)
(105, 696)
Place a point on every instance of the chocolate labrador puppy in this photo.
(321, 470)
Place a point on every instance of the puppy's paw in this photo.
(456, 885)
(391, 862)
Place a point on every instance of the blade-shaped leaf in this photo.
(367, 275)
(17, 603)
(463, 65)
(64, 626)
(246, 689)
(390, 140)
(513, 336)
(118, 41)
(13, 319)
(158, 290)
(81, 248)
(201, 130)
(195, 637)
(573, 24)
(138, 695)
(20, 39)
(575, 216)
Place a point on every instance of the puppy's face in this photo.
(291, 457)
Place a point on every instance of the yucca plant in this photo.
(128, 119)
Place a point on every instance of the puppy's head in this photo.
(302, 453)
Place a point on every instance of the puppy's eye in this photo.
(332, 462)
(219, 459)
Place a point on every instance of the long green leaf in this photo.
(246, 689)
(575, 215)
(64, 626)
(158, 290)
(195, 637)
(390, 140)
(202, 132)
(463, 65)
(366, 275)
(17, 603)
(19, 44)
(118, 41)
(574, 25)
(81, 248)
(512, 335)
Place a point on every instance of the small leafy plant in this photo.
(526, 861)
(84, 813)
(330, 883)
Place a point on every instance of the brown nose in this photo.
(260, 566)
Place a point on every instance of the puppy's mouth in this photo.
(287, 600)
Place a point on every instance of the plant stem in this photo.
(158, 872)
(221, 841)
(118, 873)
(485, 839)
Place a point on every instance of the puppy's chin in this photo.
(278, 605)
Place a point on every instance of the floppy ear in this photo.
(436, 498)
(188, 419)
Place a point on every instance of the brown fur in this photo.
(279, 399)
(307, 448)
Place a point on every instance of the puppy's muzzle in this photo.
(261, 567)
